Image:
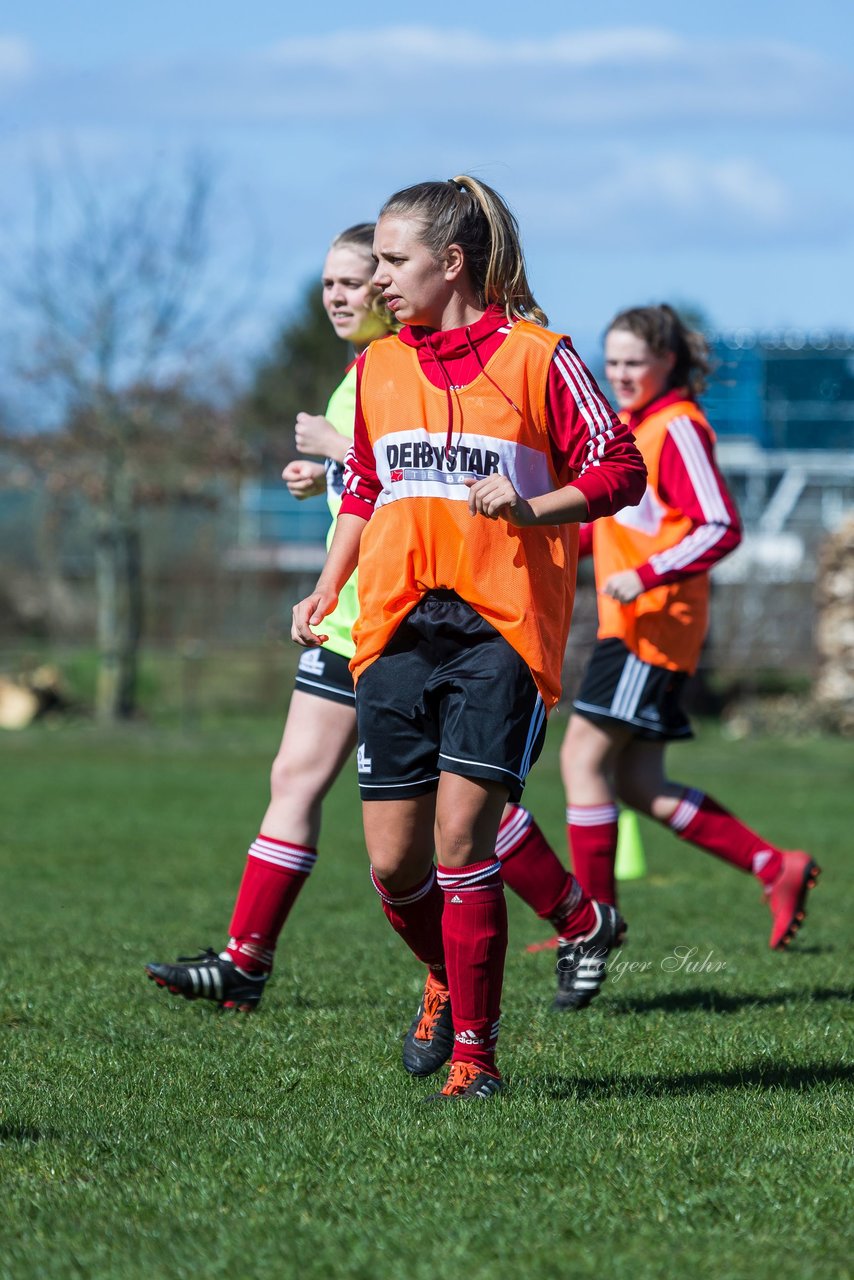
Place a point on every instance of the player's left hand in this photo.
(625, 586)
(495, 498)
(314, 434)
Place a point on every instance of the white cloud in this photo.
(16, 61)
(596, 79)
(591, 77)
(674, 199)
(392, 50)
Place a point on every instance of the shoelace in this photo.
(435, 1000)
(461, 1076)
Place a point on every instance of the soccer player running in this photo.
(320, 729)
(652, 567)
(320, 735)
(481, 441)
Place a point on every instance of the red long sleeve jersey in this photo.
(591, 448)
(688, 479)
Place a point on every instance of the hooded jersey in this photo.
(665, 625)
(421, 536)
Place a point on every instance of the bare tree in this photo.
(120, 310)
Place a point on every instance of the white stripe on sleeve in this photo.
(591, 406)
(689, 549)
(686, 436)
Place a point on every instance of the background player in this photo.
(652, 576)
(320, 729)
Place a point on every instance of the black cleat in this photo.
(581, 962)
(428, 1042)
(467, 1080)
(208, 977)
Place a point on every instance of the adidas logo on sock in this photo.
(456, 898)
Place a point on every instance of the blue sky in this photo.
(665, 151)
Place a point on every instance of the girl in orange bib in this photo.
(481, 442)
(652, 577)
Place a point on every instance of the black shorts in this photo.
(448, 694)
(326, 675)
(617, 688)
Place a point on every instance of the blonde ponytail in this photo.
(469, 213)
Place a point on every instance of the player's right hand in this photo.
(309, 613)
(495, 498)
(624, 586)
(305, 479)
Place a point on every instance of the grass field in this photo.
(692, 1123)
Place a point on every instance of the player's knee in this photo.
(279, 777)
(290, 779)
(578, 757)
(391, 871)
(633, 796)
(455, 842)
(567, 759)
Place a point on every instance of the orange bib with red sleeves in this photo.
(665, 626)
(421, 535)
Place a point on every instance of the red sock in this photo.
(592, 835)
(416, 914)
(703, 822)
(474, 926)
(275, 872)
(532, 869)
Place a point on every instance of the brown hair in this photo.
(470, 214)
(663, 330)
(361, 238)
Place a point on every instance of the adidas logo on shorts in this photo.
(363, 762)
(312, 662)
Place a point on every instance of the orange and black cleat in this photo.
(428, 1042)
(467, 1080)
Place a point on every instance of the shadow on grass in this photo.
(24, 1134)
(765, 1075)
(710, 1000)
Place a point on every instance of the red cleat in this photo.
(787, 896)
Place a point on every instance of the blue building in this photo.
(785, 391)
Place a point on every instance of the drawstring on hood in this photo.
(473, 349)
(437, 348)
(448, 394)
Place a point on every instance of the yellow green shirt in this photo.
(341, 412)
